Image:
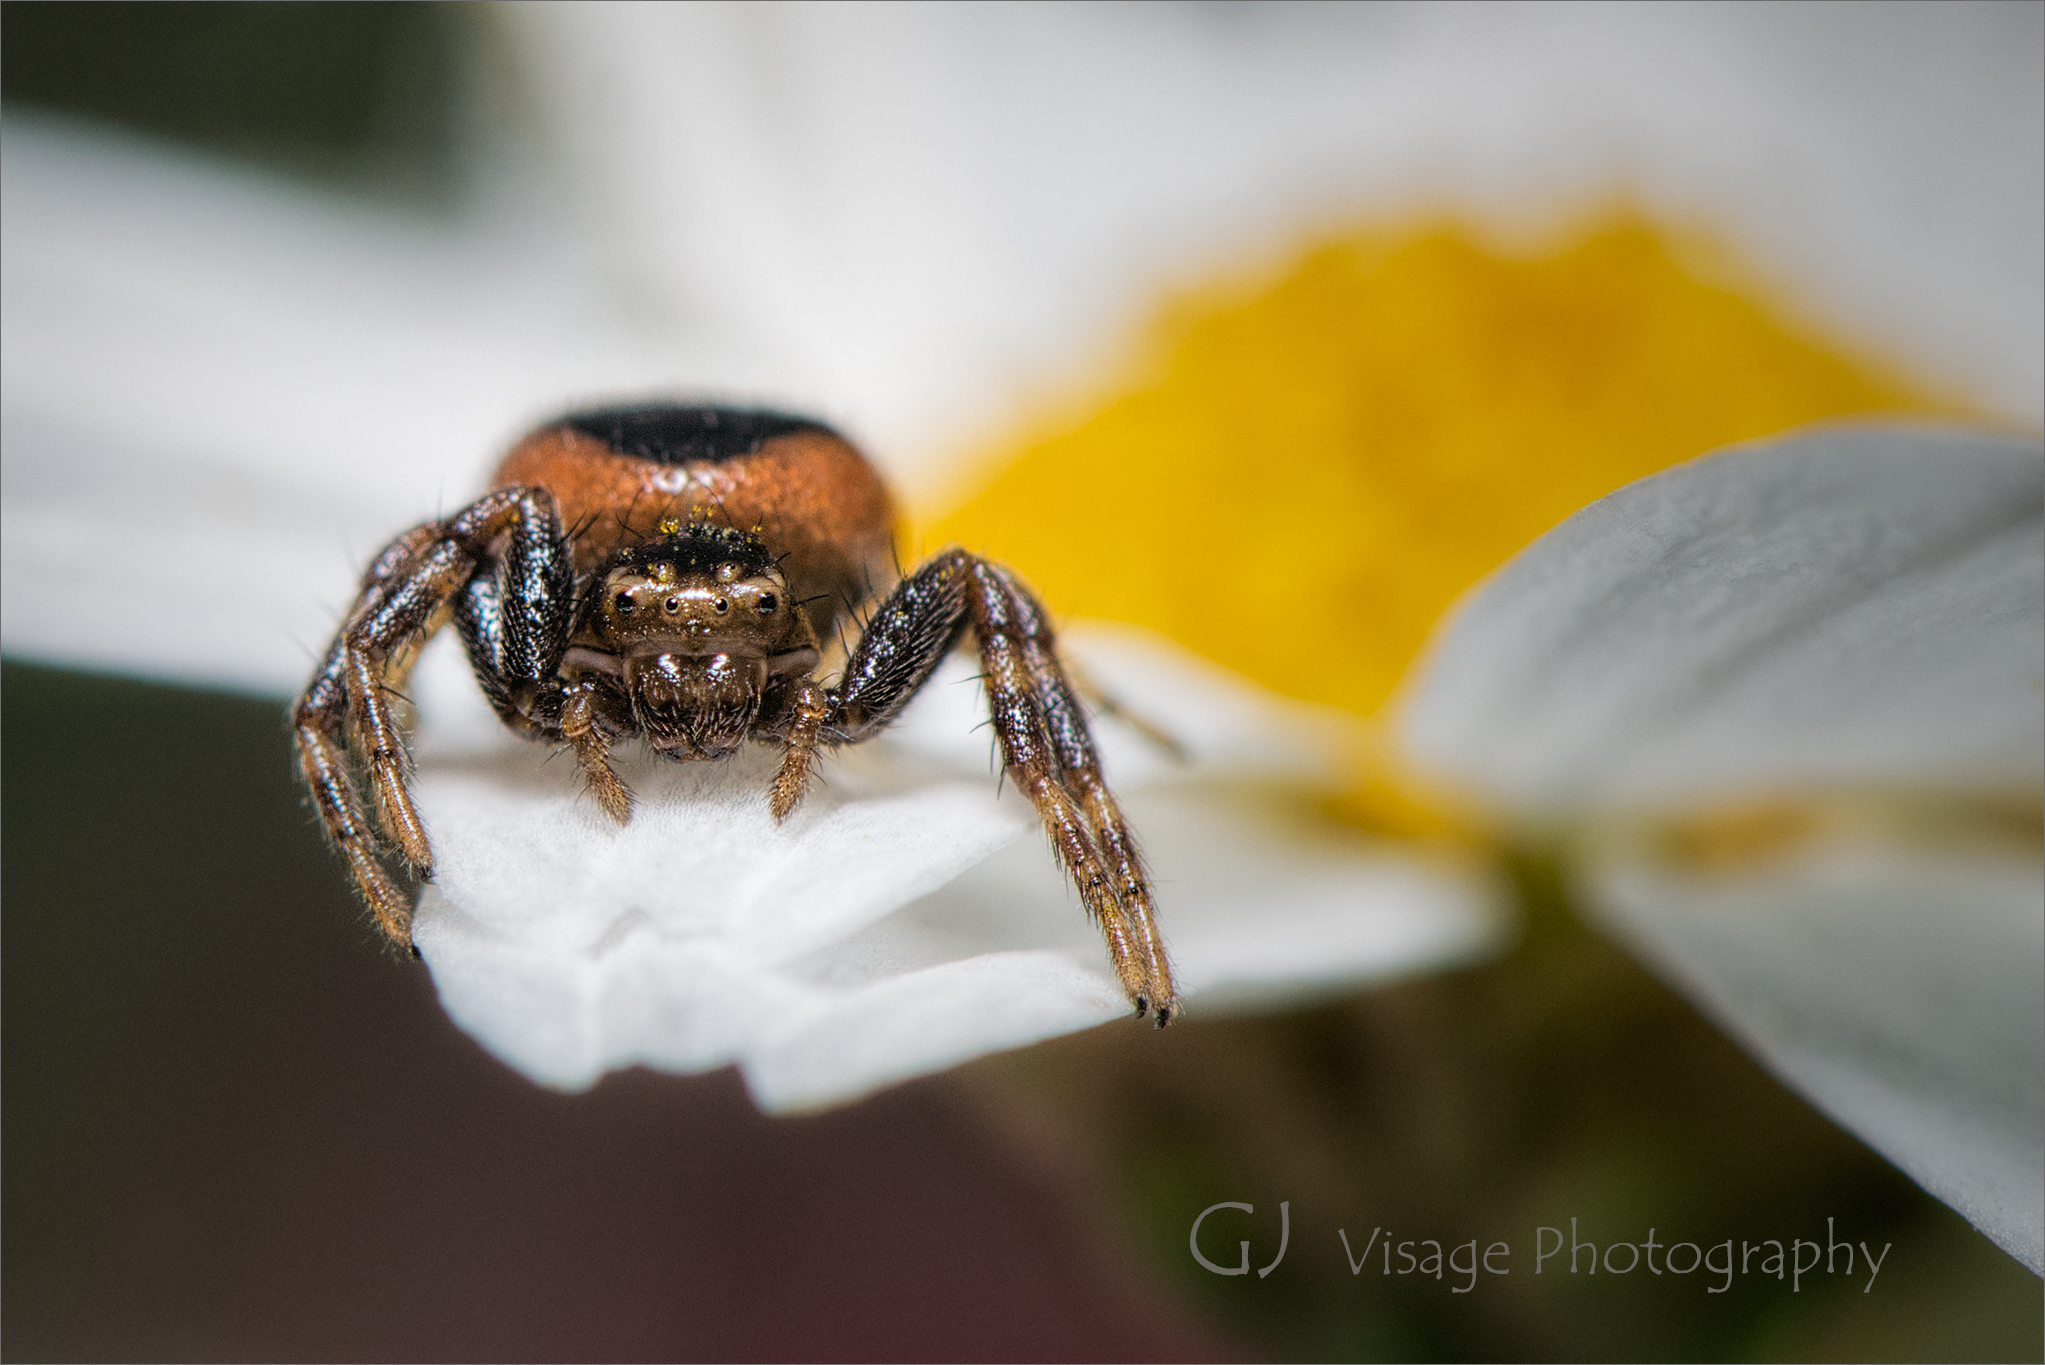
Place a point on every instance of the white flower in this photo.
(885, 218)
(864, 942)
(1782, 705)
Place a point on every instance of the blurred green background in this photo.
(234, 1128)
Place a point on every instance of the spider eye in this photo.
(673, 605)
(768, 601)
(720, 605)
(623, 604)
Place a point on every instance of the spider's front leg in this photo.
(402, 597)
(1046, 748)
(523, 685)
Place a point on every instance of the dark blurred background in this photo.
(235, 1128)
(365, 96)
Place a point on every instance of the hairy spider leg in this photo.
(333, 793)
(1046, 747)
(479, 621)
(581, 727)
(539, 708)
(322, 709)
(1080, 773)
(804, 708)
(403, 596)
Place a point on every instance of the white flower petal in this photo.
(1845, 604)
(664, 936)
(256, 386)
(896, 924)
(1904, 994)
(851, 1042)
(1263, 904)
(1842, 620)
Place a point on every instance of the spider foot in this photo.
(808, 707)
(612, 796)
(788, 790)
(398, 816)
(389, 906)
(1160, 1013)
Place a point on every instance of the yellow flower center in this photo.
(1295, 476)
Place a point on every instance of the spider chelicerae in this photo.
(604, 589)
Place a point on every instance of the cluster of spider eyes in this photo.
(767, 604)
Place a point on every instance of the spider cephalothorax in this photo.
(591, 614)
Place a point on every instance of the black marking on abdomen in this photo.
(683, 433)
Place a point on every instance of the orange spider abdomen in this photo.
(809, 495)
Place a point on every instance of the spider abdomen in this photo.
(811, 498)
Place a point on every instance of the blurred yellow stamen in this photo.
(1296, 476)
